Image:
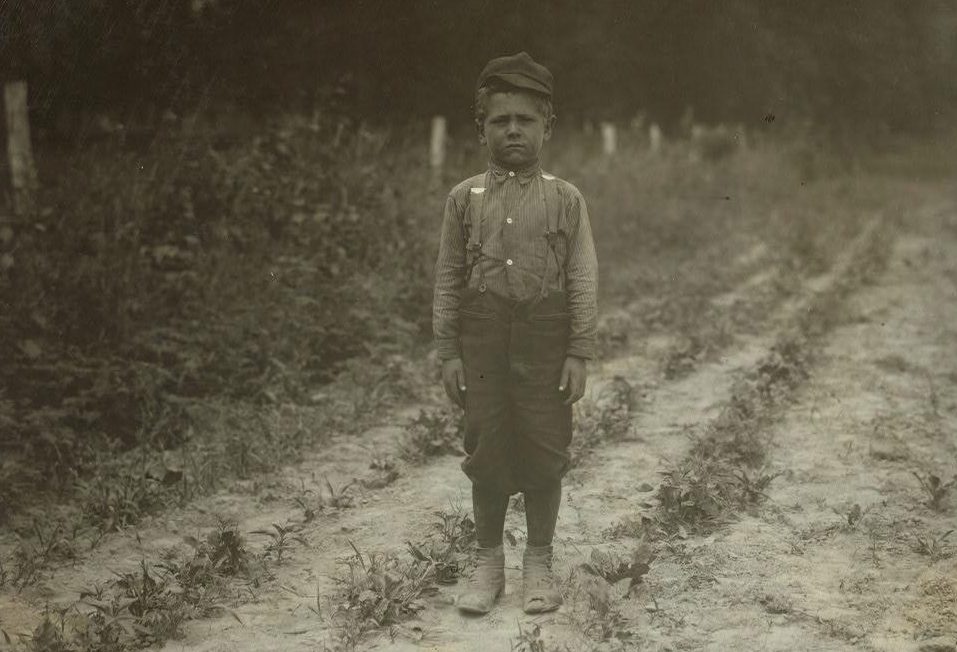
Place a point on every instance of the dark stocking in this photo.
(489, 508)
(541, 514)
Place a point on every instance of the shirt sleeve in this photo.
(581, 281)
(449, 282)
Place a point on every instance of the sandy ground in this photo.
(831, 560)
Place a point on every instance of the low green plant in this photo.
(935, 489)
(430, 434)
(331, 497)
(614, 568)
(149, 605)
(456, 527)
(223, 552)
(753, 486)
(16, 482)
(447, 562)
(49, 543)
(935, 547)
(379, 590)
(853, 516)
(692, 494)
(635, 527)
(281, 540)
(340, 497)
(448, 551)
(152, 602)
(594, 609)
(51, 634)
(113, 501)
(529, 640)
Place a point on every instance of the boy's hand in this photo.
(573, 379)
(453, 379)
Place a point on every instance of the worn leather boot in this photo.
(486, 583)
(540, 589)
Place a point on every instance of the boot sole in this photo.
(477, 610)
(541, 610)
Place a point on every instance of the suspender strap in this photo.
(548, 190)
(473, 249)
(553, 204)
(548, 193)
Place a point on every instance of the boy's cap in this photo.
(518, 70)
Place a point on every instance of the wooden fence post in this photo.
(609, 138)
(23, 173)
(655, 138)
(437, 143)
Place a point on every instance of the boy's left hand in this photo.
(573, 379)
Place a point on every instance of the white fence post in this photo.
(655, 137)
(437, 143)
(609, 138)
(23, 173)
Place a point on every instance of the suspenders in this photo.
(473, 250)
(548, 192)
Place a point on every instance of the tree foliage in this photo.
(891, 62)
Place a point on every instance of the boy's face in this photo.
(514, 129)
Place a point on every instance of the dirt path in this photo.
(835, 558)
(804, 570)
(800, 572)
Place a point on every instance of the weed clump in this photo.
(379, 590)
(935, 547)
(529, 640)
(935, 490)
(449, 554)
(281, 539)
(433, 433)
(47, 544)
(384, 589)
(607, 418)
(150, 605)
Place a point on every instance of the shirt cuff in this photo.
(582, 350)
(448, 348)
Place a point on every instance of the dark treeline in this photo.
(887, 63)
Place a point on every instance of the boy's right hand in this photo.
(453, 378)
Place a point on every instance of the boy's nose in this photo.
(512, 127)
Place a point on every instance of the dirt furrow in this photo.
(600, 493)
(848, 550)
(257, 503)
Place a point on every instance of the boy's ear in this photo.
(480, 130)
(550, 125)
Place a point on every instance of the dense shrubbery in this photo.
(202, 283)
(203, 268)
(853, 65)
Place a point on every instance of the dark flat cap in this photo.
(518, 70)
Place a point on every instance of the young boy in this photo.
(514, 317)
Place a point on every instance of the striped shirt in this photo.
(514, 253)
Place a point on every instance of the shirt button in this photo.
(508, 262)
(511, 173)
(508, 220)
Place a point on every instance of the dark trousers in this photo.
(517, 428)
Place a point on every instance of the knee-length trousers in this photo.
(518, 428)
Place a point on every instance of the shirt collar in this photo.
(524, 175)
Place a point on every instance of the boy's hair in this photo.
(480, 108)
